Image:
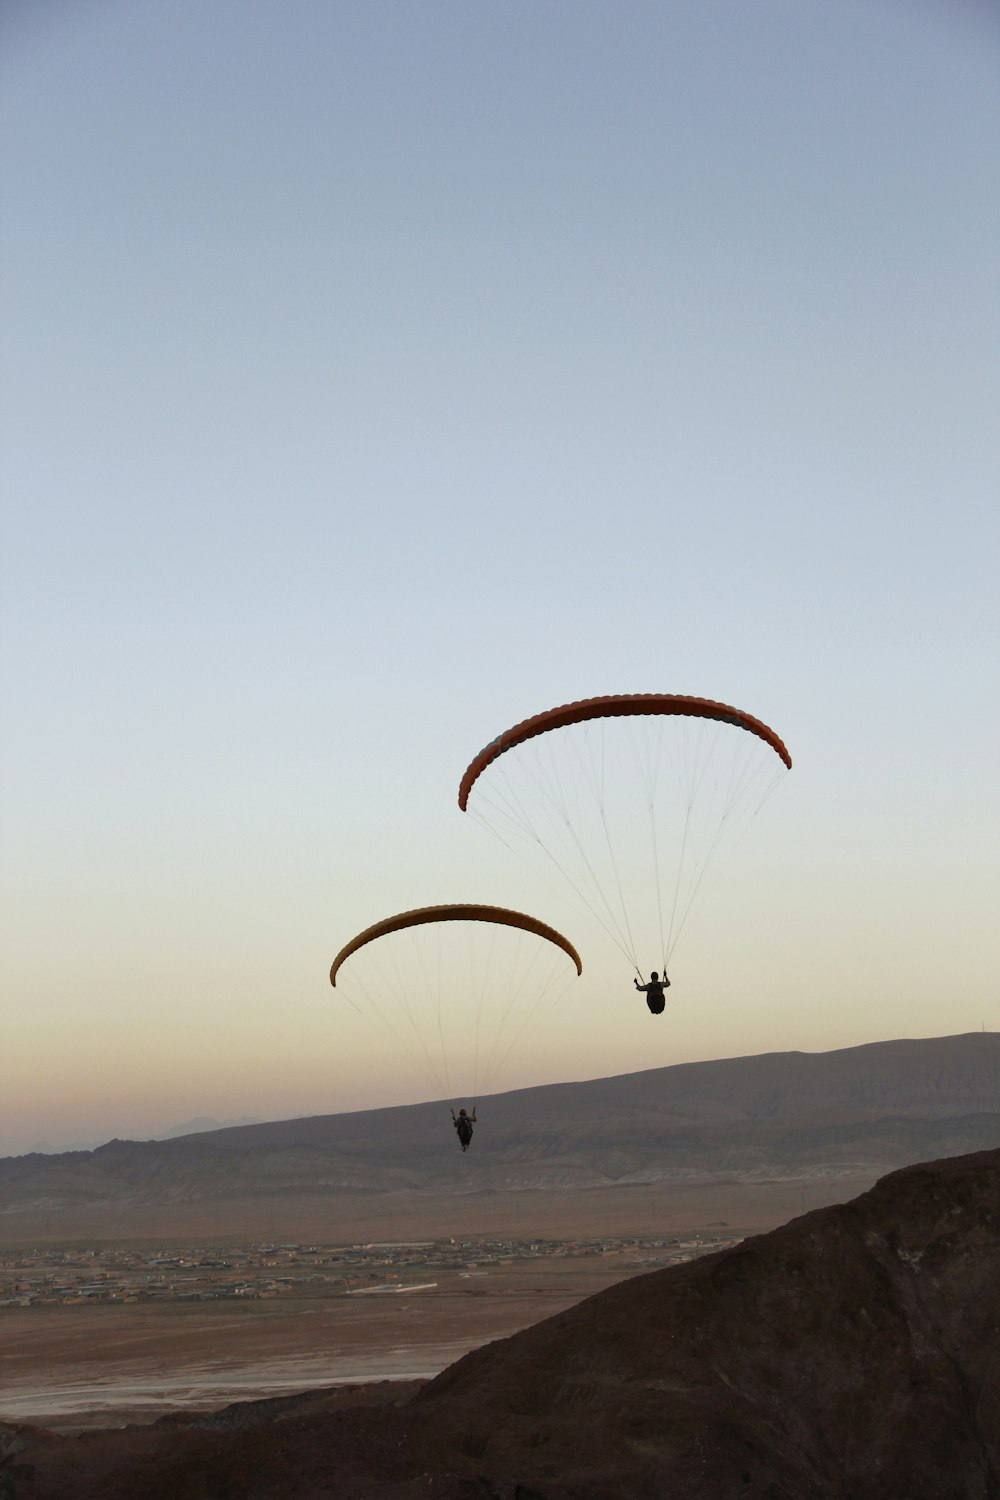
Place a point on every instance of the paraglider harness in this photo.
(463, 1123)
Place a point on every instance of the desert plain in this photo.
(78, 1365)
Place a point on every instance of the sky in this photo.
(378, 375)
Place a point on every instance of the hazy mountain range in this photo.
(188, 1127)
(786, 1115)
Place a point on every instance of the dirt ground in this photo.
(667, 1207)
(75, 1367)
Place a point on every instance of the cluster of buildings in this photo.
(122, 1275)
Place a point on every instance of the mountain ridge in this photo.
(860, 1110)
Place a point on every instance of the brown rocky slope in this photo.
(853, 1354)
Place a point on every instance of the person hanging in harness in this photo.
(463, 1123)
(655, 998)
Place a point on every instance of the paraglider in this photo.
(458, 986)
(463, 1123)
(655, 998)
(633, 800)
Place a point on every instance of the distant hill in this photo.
(850, 1353)
(780, 1116)
(202, 1123)
(189, 1127)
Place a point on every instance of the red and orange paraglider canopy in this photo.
(635, 801)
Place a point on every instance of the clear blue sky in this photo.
(375, 375)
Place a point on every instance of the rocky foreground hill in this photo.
(853, 1354)
(859, 1112)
